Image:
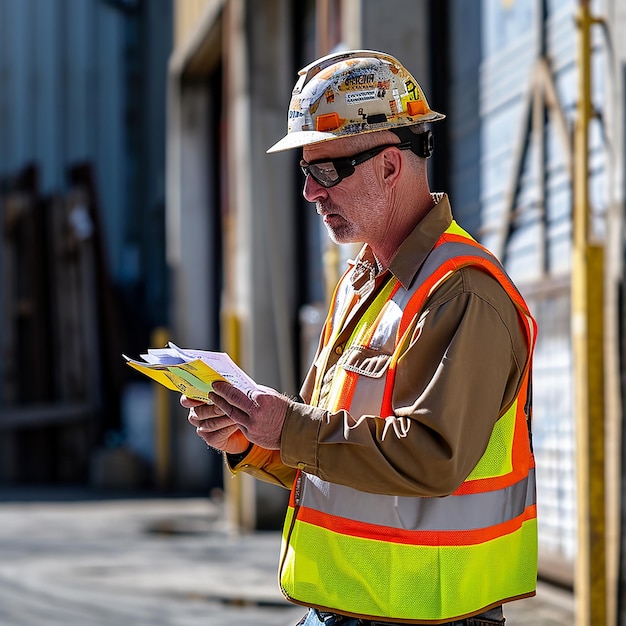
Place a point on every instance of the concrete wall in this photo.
(402, 29)
(267, 215)
(219, 177)
(62, 98)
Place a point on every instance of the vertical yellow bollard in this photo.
(588, 347)
(239, 490)
(160, 337)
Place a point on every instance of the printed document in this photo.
(191, 372)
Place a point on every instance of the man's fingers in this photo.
(225, 432)
(215, 424)
(205, 411)
(234, 396)
(221, 404)
(189, 403)
(260, 417)
(232, 413)
(233, 443)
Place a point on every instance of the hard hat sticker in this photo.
(358, 81)
(357, 97)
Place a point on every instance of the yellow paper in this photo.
(193, 378)
(156, 373)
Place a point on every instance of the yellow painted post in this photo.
(232, 484)
(162, 419)
(587, 340)
(239, 489)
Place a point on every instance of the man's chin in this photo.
(336, 228)
(336, 235)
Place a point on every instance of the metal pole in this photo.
(323, 45)
(587, 340)
(160, 337)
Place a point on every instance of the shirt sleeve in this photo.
(263, 464)
(461, 370)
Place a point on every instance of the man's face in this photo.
(356, 209)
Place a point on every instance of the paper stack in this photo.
(191, 372)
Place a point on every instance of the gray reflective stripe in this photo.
(466, 512)
(438, 256)
(452, 249)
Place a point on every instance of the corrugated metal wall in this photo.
(61, 97)
(510, 49)
(84, 81)
(490, 129)
(82, 109)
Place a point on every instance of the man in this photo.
(409, 457)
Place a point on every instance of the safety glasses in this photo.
(330, 172)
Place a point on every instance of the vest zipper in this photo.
(297, 491)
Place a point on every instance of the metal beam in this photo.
(588, 340)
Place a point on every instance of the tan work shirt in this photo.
(457, 377)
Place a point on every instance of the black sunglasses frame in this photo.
(344, 166)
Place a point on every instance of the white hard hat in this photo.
(349, 93)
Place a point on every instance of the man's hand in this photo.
(214, 428)
(260, 416)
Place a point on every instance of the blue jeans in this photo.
(317, 618)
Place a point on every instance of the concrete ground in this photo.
(75, 559)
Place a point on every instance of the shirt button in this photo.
(339, 350)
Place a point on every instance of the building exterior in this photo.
(507, 74)
(82, 203)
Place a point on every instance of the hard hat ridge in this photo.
(350, 93)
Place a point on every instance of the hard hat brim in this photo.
(302, 138)
(299, 139)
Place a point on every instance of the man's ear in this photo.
(392, 165)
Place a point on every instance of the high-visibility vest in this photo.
(415, 559)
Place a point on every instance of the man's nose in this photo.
(312, 190)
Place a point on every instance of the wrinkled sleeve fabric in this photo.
(459, 373)
(266, 465)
